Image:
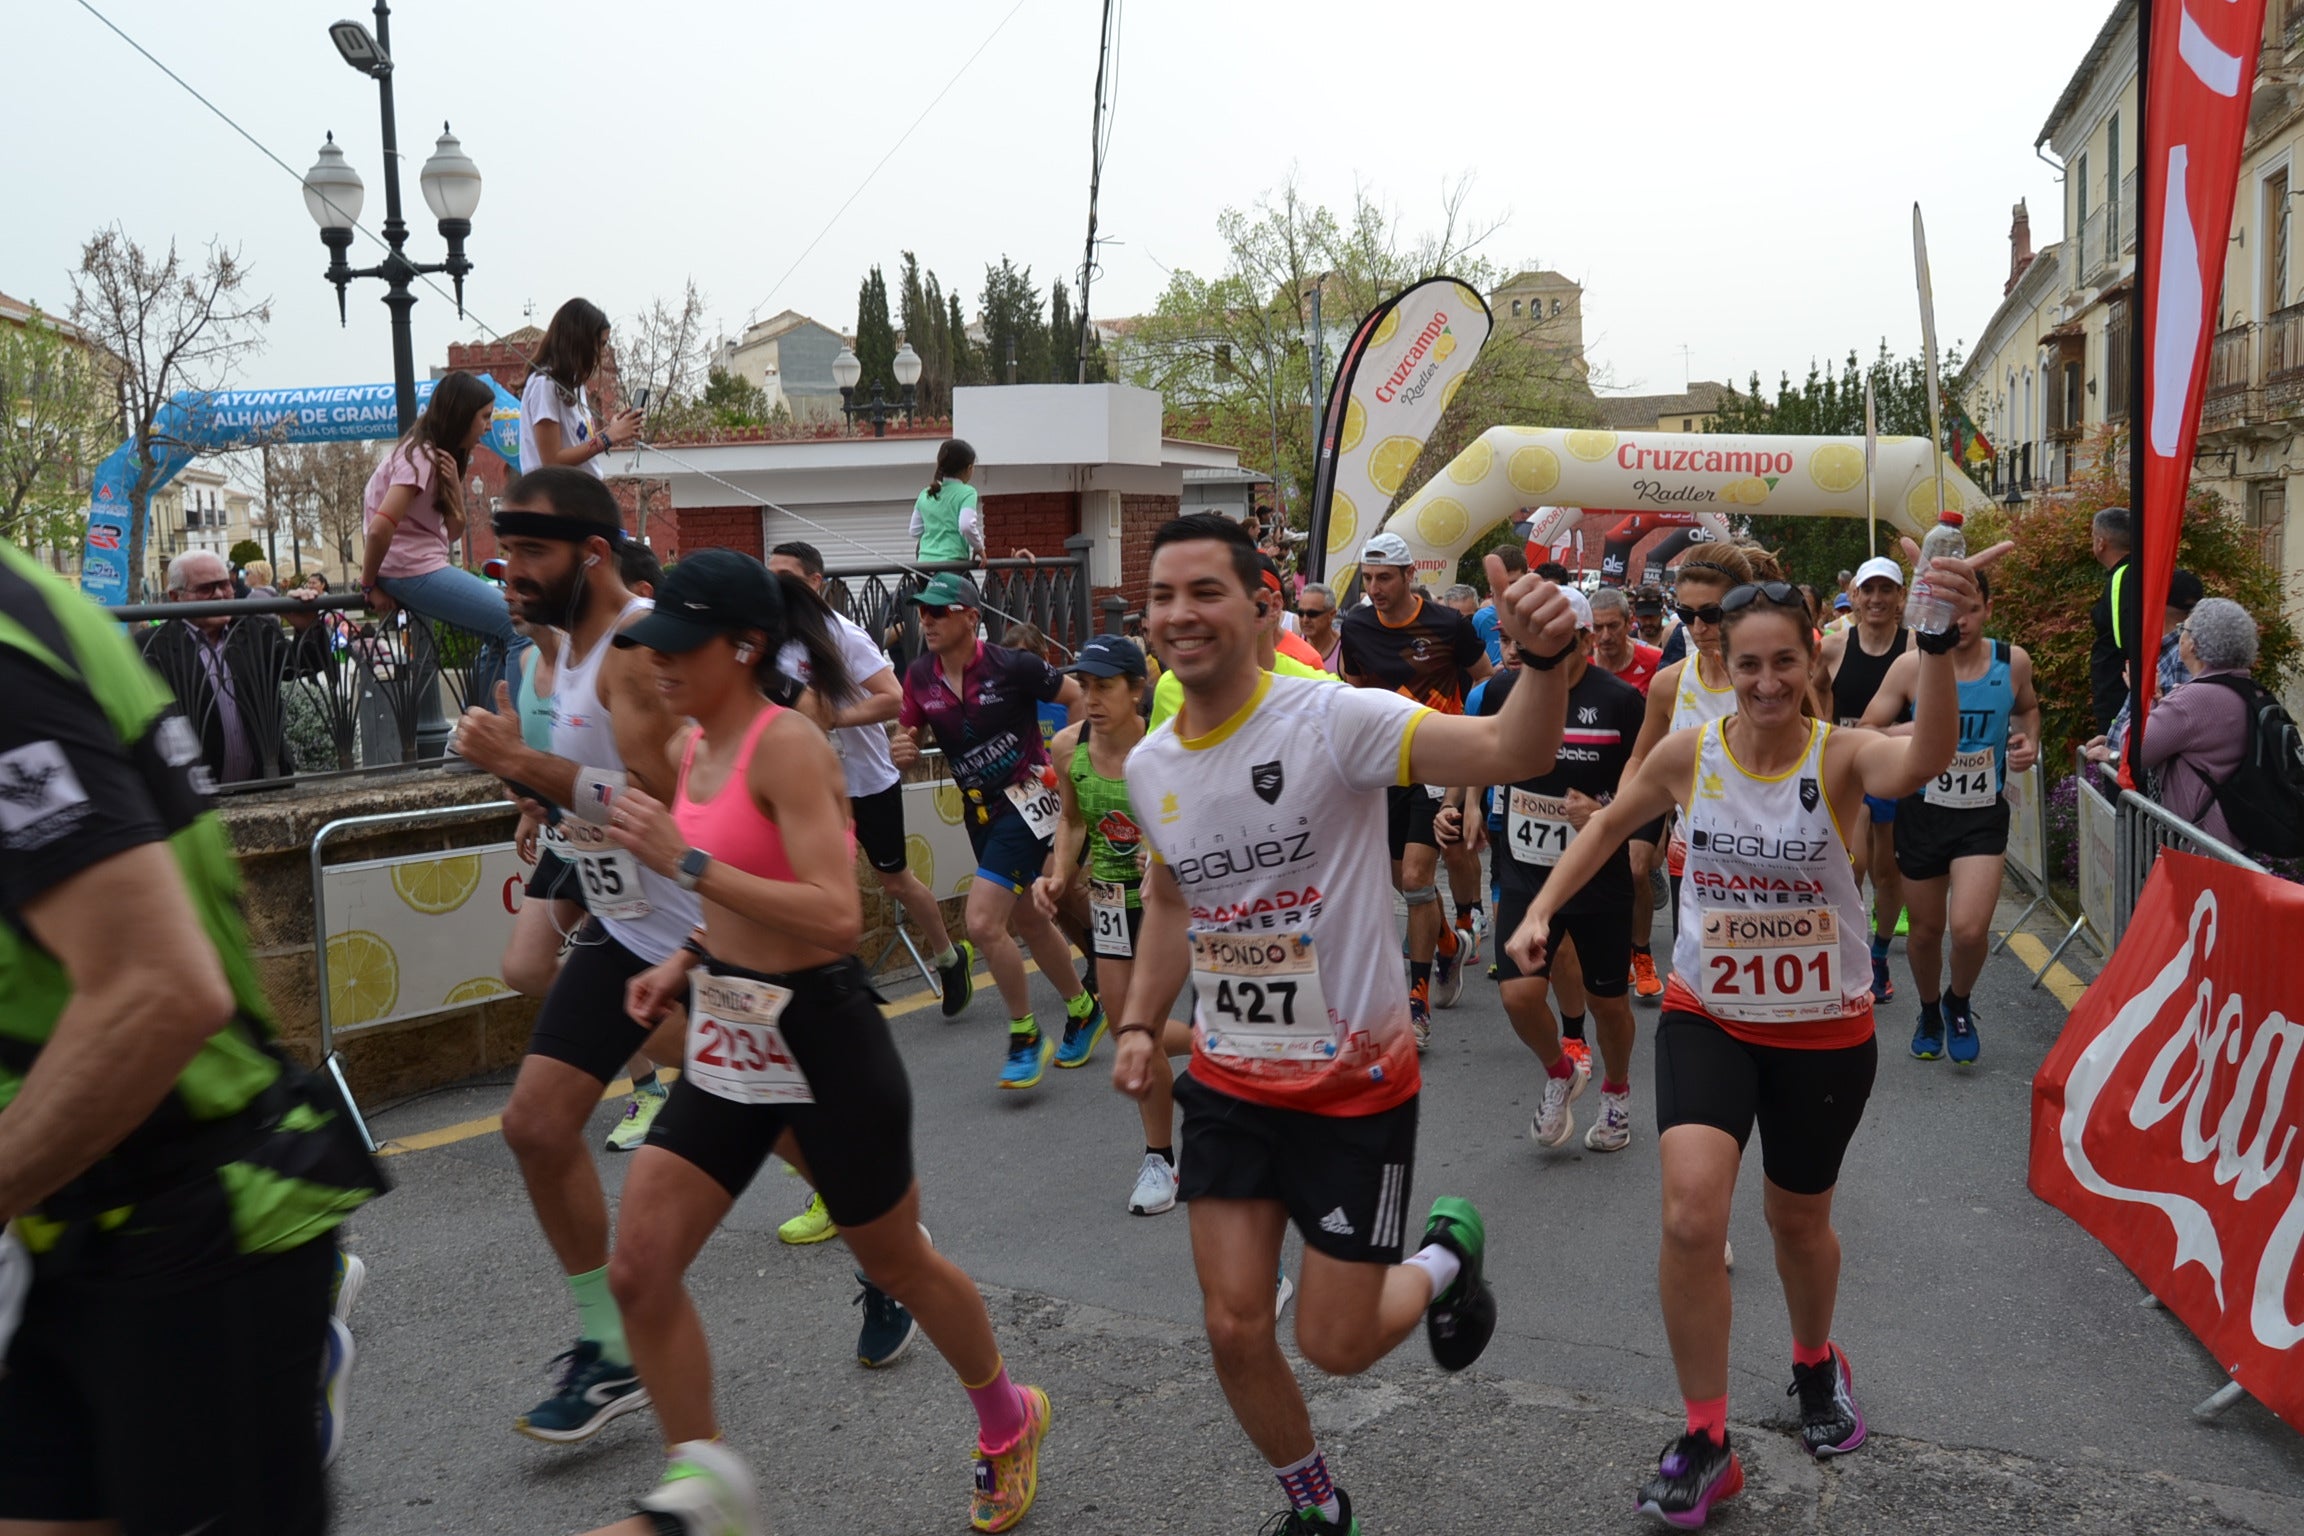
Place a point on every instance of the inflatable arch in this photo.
(1711, 477)
(217, 421)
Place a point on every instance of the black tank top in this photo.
(1860, 677)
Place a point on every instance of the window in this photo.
(1687, 425)
(2119, 353)
(1555, 308)
(2080, 191)
(2275, 228)
(2075, 413)
(2112, 188)
(1515, 309)
(2268, 520)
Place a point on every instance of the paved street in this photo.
(2013, 1380)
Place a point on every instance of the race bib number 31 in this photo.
(1038, 804)
(609, 874)
(736, 1050)
(1260, 997)
(1108, 910)
(1537, 827)
(1768, 967)
(1970, 784)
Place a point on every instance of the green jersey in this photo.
(943, 518)
(97, 759)
(1115, 844)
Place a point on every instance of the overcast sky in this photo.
(1736, 179)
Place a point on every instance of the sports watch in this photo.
(691, 868)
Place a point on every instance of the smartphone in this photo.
(643, 405)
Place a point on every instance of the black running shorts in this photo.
(1651, 831)
(1806, 1103)
(856, 1138)
(1105, 949)
(1411, 808)
(119, 1321)
(1930, 837)
(880, 827)
(1603, 943)
(583, 1021)
(555, 879)
(1344, 1179)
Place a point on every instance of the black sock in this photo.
(1419, 975)
(1956, 1005)
(1931, 1013)
(1165, 1154)
(1640, 949)
(1466, 908)
(1572, 1026)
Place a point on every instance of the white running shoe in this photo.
(1287, 1290)
(708, 1491)
(1554, 1122)
(351, 1274)
(1728, 1257)
(1612, 1132)
(1155, 1187)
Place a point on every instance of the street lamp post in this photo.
(847, 369)
(332, 194)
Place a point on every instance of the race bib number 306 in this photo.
(736, 1048)
(1038, 804)
(1771, 966)
(1260, 997)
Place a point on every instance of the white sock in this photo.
(1438, 1262)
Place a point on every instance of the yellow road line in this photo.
(2060, 981)
(489, 1125)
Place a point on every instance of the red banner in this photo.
(2169, 1119)
(2199, 76)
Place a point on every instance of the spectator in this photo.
(258, 575)
(1316, 608)
(946, 524)
(2194, 738)
(2184, 593)
(557, 425)
(226, 674)
(2110, 541)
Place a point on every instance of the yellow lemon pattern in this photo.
(1388, 466)
(1472, 465)
(1443, 522)
(948, 806)
(1445, 347)
(1836, 467)
(1534, 470)
(1355, 426)
(1469, 299)
(1747, 492)
(478, 990)
(1386, 329)
(1920, 501)
(1591, 447)
(1343, 522)
(438, 886)
(919, 858)
(363, 978)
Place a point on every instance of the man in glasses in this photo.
(1856, 661)
(226, 674)
(1316, 606)
(1651, 616)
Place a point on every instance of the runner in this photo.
(1267, 834)
(1855, 661)
(1617, 647)
(1316, 606)
(1544, 814)
(979, 699)
(1768, 1019)
(170, 1181)
(1168, 692)
(787, 1051)
(1952, 835)
(1403, 642)
(1684, 694)
(560, 532)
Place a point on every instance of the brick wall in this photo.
(1039, 521)
(1140, 518)
(692, 528)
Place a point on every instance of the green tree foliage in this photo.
(875, 339)
(733, 400)
(244, 553)
(63, 421)
(1816, 549)
(967, 363)
(1013, 325)
(2044, 588)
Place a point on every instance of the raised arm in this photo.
(1522, 739)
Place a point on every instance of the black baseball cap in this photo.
(2184, 590)
(1647, 600)
(1109, 656)
(712, 592)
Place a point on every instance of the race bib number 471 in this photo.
(1260, 997)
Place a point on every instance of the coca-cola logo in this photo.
(2187, 1102)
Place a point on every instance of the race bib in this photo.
(1537, 827)
(1039, 805)
(1108, 920)
(1436, 791)
(1969, 784)
(1260, 997)
(1771, 967)
(735, 1049)
(609, 874)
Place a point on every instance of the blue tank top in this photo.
(535, 712)
(1985, 705)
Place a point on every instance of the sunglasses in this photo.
(930, 611)
(1314, 613)
(1779, 594)
(1710, 613)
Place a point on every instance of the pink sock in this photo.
(1708, 1417)
(1803, 1354)
(999, 1413)
(1622, 1087)
(1564, 1067)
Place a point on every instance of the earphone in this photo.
(743, 653)
(591, 560)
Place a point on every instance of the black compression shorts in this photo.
(1343, 1178)
(880, 827)
(583, 1021)
(555, 879)
(1603, 943)
(1807, 1103)
(1411, 808)
(1930, 837)
(856, 1138)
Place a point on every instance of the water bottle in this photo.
(1924, 612)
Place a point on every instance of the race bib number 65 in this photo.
(1260, 997)
(609, 874)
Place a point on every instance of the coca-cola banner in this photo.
(2166, 1120)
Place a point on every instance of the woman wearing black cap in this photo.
(787, 1049)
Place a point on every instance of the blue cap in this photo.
(1109, 656)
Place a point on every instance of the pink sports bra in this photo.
(729, 826)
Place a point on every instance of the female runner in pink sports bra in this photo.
(787, 1049)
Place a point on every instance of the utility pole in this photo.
(1095, 181)
(1319, 349)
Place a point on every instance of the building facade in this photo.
(788, 357)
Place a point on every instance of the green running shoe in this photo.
(812, 1225)
(1461, 1319)
(640, 1112)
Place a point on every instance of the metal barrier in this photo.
(1053, 595)
(2028, 850)
(2096, 832)
(2145, 829)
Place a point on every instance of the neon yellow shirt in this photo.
(1168, 694)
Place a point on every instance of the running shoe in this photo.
(1285, 1289)
(344, 1288)
(1581, 1052)
(959, 978)
(1310, 1522)
(1830, 1422)
(1963, 1047)
(1646, 985)
(1420, 1019)
(1612, 1132)
(1659, 890)
(1155, 1189)
(1928, 1039)
(1555, 1122)
(1461, 1319)
(1883, 984)
(1005, 1483)
(335, 1378)
(812, 1225)
(1080, 1037)
(1471, 932)
(1447, 977)
(706, 1492)
(1693, 1475)
(888, 1328)
(1027, 1060)
(1728, 1255)
(1495, 971)
(640, 1112)
(591, 1393)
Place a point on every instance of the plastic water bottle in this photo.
(1925, 612)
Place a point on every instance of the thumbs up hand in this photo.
(489, 738)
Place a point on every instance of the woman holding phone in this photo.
(557, 424)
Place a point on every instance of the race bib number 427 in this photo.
(1260, 997)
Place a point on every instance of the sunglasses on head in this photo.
(1779, 594)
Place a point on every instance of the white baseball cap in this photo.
(1880, 566)
(1579, 605)
(1386, 549)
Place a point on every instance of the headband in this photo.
(553, 525)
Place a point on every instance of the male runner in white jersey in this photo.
(1264, 805)
(1855, 659)
(560, 529)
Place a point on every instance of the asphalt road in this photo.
(2013, 1379)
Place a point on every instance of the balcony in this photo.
(2127, 210)
(2284, 362)
(2231, 400)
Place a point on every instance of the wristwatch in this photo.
(691, 868)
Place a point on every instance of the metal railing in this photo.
(2231, 398)
(279, 689)
(2145, 829)
(2284, 361)
(1053, 595)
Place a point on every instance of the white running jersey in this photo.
(581, 733)
(864, 757)
(1274, 826)
(1693, 703)
(1771, 923)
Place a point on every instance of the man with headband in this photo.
(560, 531)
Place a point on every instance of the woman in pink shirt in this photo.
(414, 512)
